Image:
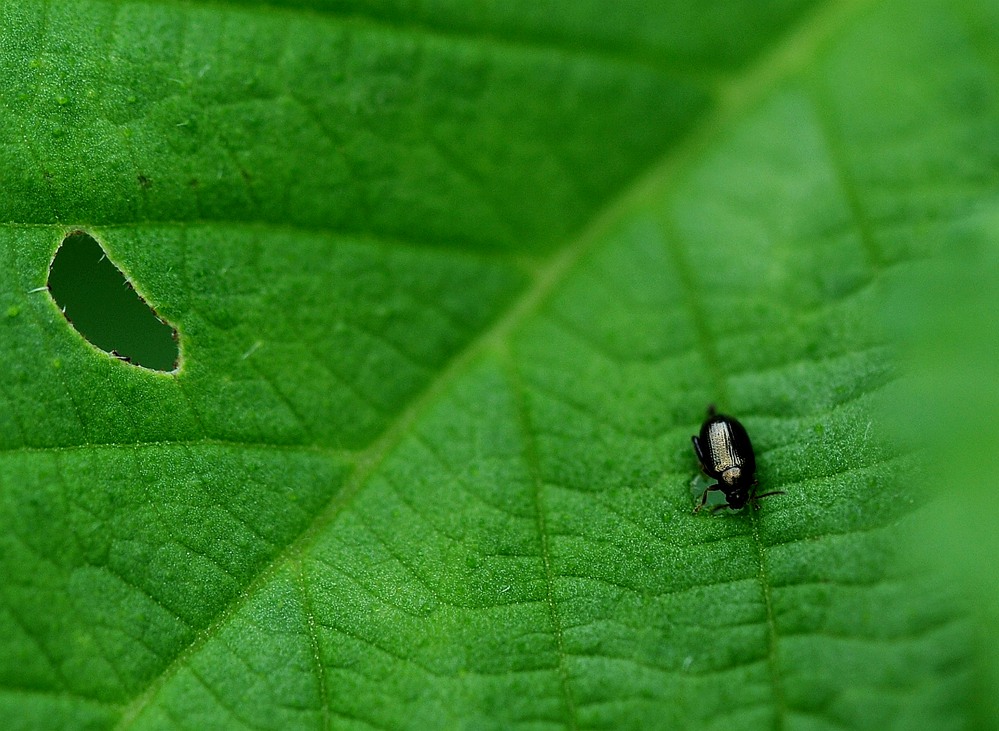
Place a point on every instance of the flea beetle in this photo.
(726, 454)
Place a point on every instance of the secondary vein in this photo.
(780, 703)
(534, 468)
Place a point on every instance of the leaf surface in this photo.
(454, 285)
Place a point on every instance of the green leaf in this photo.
(454, 283)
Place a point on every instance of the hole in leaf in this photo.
(104, 308)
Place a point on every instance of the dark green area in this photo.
(210, 112)
(104, 307)
(708, 35)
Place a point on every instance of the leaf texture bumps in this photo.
(453, 291)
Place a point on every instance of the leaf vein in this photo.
(534, 468)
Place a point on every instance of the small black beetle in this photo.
(726, 454)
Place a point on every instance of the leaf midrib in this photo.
(792, 52)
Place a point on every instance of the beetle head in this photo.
(737, 497)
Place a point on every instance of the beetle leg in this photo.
(704, 497)
(697, 449)
(712, 410)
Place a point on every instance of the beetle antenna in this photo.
(757, 498)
